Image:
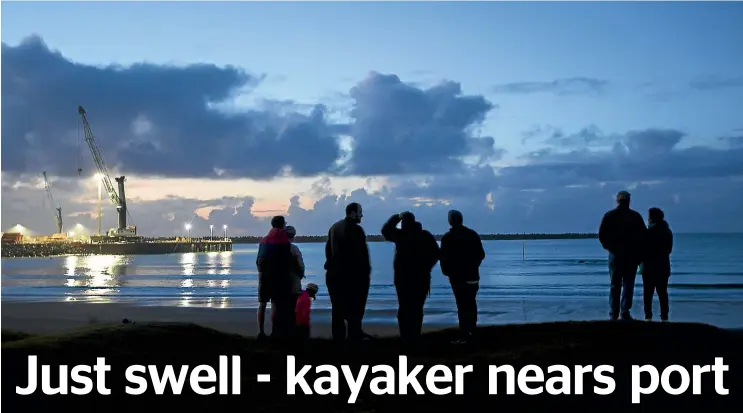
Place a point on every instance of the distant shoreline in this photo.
(484, 237)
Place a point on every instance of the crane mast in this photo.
(118, 199)
(57, 210)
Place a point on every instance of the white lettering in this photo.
(68, 378)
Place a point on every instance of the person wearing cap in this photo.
(462, 254)
(416, 253)
(348, 274)
(304, 305)
(276, 267)
(623, 234)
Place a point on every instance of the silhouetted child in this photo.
(304, 305)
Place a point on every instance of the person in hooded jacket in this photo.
(416, 253)
(276, 272)
(656, 266)
(461, 255)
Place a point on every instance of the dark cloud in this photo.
(148, 119)
(401, 129)
(159, 120)
(560, 87)
(641, 155)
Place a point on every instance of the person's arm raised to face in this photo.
(389, 229)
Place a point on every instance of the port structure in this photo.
(57, 210)
(118, 199)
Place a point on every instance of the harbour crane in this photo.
(118, 199)
(58, 210)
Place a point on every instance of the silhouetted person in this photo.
(622, 233)
(416, 253)
(348, 274)
(461, 256)
(276, 269)
(656, 266)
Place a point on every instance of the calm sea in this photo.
(553, 280)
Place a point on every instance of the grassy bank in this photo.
(582, 343)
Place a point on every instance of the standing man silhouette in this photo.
(461, 255)
(416, 253)
(623, 234)
(348, 274)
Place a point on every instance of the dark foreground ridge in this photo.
(378, 238)
(580, 343)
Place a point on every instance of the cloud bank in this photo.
(421, 148)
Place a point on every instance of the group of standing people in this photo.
(348, 271)
(623, 233)
(348, 274)
(632, 245)
(280, 273)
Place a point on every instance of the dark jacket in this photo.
(416, 252)
(658, 248)
(461, 254)
(346, 253)
(622, 233)
(275, 262)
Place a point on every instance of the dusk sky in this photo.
(527, 117)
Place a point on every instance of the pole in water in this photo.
(523, 250)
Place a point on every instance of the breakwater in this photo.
(484, 237)
(52, 249)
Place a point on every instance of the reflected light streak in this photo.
(188, 262)
(70, 264)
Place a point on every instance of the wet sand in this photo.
(57, 317)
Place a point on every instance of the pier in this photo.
(158, 247)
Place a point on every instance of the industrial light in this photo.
(188, 227)
(98, 177)
(224, 226)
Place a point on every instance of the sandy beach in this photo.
(57, 317)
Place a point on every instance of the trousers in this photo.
(655, 284)
(284, 320)
(348, 305)
(411, 299)
(622, 275)
(465, 295)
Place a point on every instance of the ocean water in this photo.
(530, 281)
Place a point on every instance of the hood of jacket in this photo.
(659, 224)
(276, 236)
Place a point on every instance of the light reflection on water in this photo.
(705, 269)
(101, 278)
